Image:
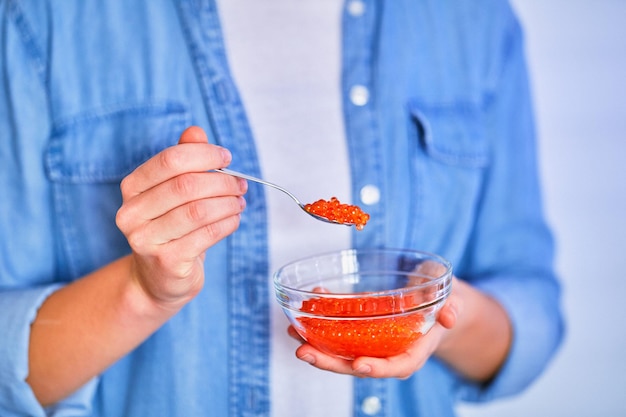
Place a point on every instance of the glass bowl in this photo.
(363, 302)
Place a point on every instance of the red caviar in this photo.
(336, 211)
(371, 336)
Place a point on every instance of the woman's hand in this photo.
(398, 366)
(173, 210)
(468, 318)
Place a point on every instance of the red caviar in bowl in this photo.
(336, 211)
(368, 336)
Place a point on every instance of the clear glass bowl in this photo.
(364, 302)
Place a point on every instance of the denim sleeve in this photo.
(19, 308)
(512, 248)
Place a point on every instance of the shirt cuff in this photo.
(533, 306)
(18, 309)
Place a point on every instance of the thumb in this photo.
(448, 315)
(193, 134)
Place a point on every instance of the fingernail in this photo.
(363, 369)
(310, 359)
(243, 184)
(226, 155)
(242, 202)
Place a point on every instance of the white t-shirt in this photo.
(285, 58)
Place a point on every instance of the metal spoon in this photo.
(293, 197)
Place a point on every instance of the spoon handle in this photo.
(260, 181)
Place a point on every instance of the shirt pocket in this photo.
(106, 144)
(450, 157)
(87, 157)
(452, 134)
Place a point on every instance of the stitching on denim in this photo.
(152, 107)
(83, 173)
(248, 385)
(29, 39)
(443, 151)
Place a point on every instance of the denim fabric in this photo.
(91, 89)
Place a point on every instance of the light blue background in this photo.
(577, 56)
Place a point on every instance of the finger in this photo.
(425, 272)
(448, 314)
(176, 160)
(291, 331)
(178, 257)
(196, 215)
(193, 134)
(183, 220)
(430, 269)
(176, 192)
(171, 162)
(403, 365)
(320, 360)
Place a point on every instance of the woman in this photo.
(419, 111)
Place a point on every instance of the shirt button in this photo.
(371, 405)
(370, 194)
(359, 95)
(356, 8)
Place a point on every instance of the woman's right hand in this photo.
(173, 210)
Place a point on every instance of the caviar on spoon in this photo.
(332, 211)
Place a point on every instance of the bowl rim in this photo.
(447, 275)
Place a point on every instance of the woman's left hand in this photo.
(399, 366)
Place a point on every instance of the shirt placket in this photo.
(248, 385)
(359, 33)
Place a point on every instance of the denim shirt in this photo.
(438, 121)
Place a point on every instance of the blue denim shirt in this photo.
(438, 117)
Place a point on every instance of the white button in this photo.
(359, 95)
(371, 405)
(356, 8)
(370, 194)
